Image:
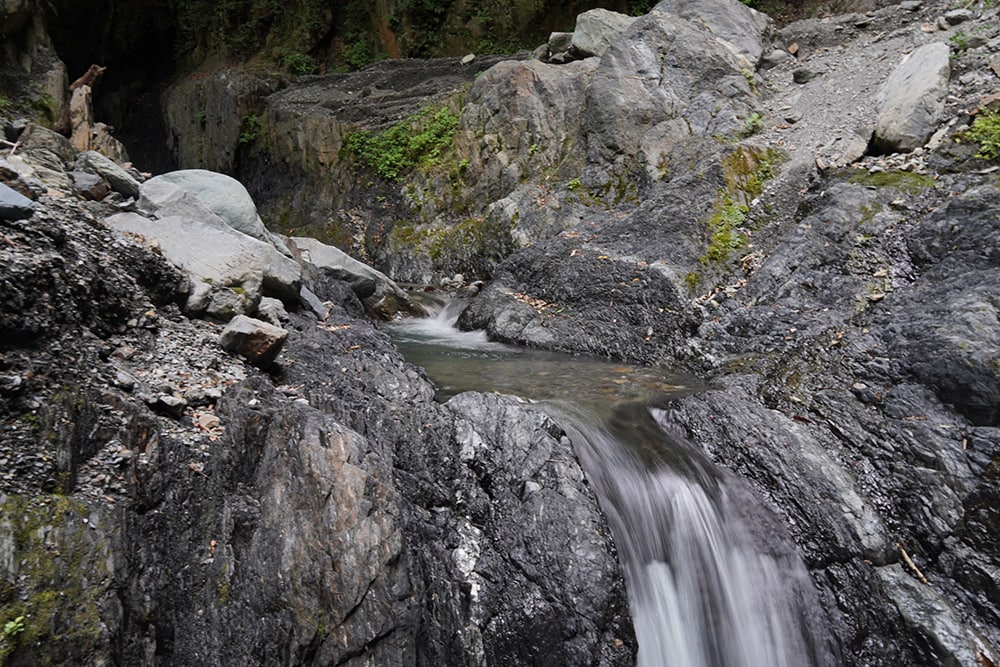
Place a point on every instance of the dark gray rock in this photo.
(343, 516)
(120, 180)
(14, 205)
(89, 186)
(382, 297)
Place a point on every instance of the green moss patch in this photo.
(745, 171)
(53, 595)
(904, 181)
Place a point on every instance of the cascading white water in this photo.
(712, 581)
(704, 593)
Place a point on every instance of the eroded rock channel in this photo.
(211, 451)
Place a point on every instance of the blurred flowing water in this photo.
(712, 579)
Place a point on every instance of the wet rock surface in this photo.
(191, 509)
(842, 304)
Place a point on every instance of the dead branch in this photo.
(910, 564)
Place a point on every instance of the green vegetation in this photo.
(727, 230)
(250, 128)
(60, 561)
(745, 172)
(294, 62)
(906, 181)
(418, 141)
(959, 40)
(240, 27)
(753, 124)
(11, 629)
(985, 131)
(473, 247)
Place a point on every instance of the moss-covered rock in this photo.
(56, 582)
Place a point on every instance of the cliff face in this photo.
(165, 502)
(700, 193)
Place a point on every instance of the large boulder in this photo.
(743, 30)
(667, 79)
(597, 29)
(544, 102)
(382, 297)
(913, 99)
(228, 270)
(222, 195)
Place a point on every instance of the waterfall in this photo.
(704, 591)
(713, 581)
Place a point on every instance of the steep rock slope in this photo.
(678, 203)
(849, 315)
(165, 502)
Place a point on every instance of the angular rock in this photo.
(42, 146)
(119, 179)
(913, 100)
(597, 29)
(272, 310)
(957, 16)
(684, 73)
(743, 30)
(381, 296)
(313, 303)
(90, 186)
(254, 339)
(81, 118)
(559, 44)
(804, 75)
(543, 101)
(14, 205)
(102, 141)
(222, 195)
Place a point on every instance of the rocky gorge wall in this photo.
(167, 502)
(705, 192)
(722, 199)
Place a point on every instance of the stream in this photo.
(711, 577)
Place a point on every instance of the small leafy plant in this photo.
(959, 40)
(753, 124)
(297, 63)
(14, 627)
(250, 128)
(985, 131)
